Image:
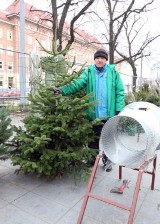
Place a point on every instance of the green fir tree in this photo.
(57, 132)
(5, 133)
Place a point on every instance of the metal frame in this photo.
(131, 209)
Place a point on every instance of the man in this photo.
(107, 87)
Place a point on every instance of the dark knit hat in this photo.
(101, 53)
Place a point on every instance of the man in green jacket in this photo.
(105, 82)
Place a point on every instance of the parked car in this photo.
(11, 93)
(3, 90)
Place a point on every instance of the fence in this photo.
(13, 88)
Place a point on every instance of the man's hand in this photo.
(57, 91)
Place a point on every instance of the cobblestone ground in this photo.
(25, 199)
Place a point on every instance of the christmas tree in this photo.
(5, 133)
(56, 134)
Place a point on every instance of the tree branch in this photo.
(71, 40)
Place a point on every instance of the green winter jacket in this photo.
(87, 79)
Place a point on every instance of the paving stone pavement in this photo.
(25, 199)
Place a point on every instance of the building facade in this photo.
(82, 50)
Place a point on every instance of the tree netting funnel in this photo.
(132, 137)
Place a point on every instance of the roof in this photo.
(37, 15)
(82, 35)
(3, 16)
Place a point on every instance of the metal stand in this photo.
(131, 209)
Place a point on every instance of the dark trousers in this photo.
(95, 144)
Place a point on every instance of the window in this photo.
(10, 66)
(10, 51)
(10, 81)
(1, 65)
(30, 40)
(1, 32)
(9, 35)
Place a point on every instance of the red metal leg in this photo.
(88, 190)
(141, 170)
(149, 172)
(153, 172)
(135, 197)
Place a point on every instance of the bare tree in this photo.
(133, 53)
(58, 15)
(123, 17)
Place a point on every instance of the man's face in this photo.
(100, 62)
